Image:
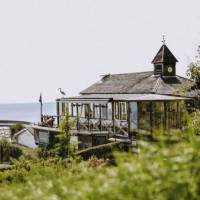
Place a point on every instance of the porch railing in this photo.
(115, 127)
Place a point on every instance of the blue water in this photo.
(26, 111)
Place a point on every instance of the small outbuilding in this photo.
(26, 137)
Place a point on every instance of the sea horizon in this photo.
(29, 112)
(27, 102)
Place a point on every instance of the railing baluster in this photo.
(100, 116)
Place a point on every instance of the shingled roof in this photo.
(164, 55)
(136, 83)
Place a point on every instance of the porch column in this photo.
(113, 116)
(88, 105)
(72, 109)
(100, 116)
(77, 124)
(151, 118)
(63, 108)
(177, 114)
(128, 119)
(165, 116)
(58, 113)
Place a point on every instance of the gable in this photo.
(164, 55)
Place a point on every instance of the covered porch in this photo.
(123, 115)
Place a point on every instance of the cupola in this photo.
(164, 62)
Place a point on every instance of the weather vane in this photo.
(163, 41)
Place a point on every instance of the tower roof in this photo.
(164, 55)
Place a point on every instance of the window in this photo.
(123, 113)
(82, 110)
(96, 108)
(44, 137)
(133, 116)
(109, 111)
(74, 109)
(158, 69)
(104, 112)
(116, 110)
(89, 111)
(120, 111)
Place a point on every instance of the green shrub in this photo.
(100, 151)
(64, 148)
(8, 151)
(15, 128)
(159, 172)
(4, 168)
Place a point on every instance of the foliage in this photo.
(159, 172)
(194, 122)
(4, 168)
(95, 162)
(26, 150)
(193, 71)
(15, 128)
(65, 148)
(100, 151)
(8, 150)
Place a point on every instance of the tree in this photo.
(8, 150)
(15, 128)
(193, 71)
(65, 148)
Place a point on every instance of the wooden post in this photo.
(106, 111)
(165, 116)
(128, 119)
(58, 112)
(1, 154)
(93, 113)
(63, 108)
(100, 116)
(138, 115)
(41, 112)
(77, 124)
(177, 114)
(72, 109)
(88, 116)
(113, 116)
(151, 118)
(40, 100)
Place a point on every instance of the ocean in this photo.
(26, 111)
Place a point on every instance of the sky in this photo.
(68, 44)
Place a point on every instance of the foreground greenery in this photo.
(159, 171)
(163, 169)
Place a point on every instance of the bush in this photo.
(8, 151)
(100, 151)
(4, 168)
(160, 172)
(15, 128)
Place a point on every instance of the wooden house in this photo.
(26, 137)
(119, 105)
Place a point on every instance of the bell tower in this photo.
(164, 62)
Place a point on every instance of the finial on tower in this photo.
(163, 41)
